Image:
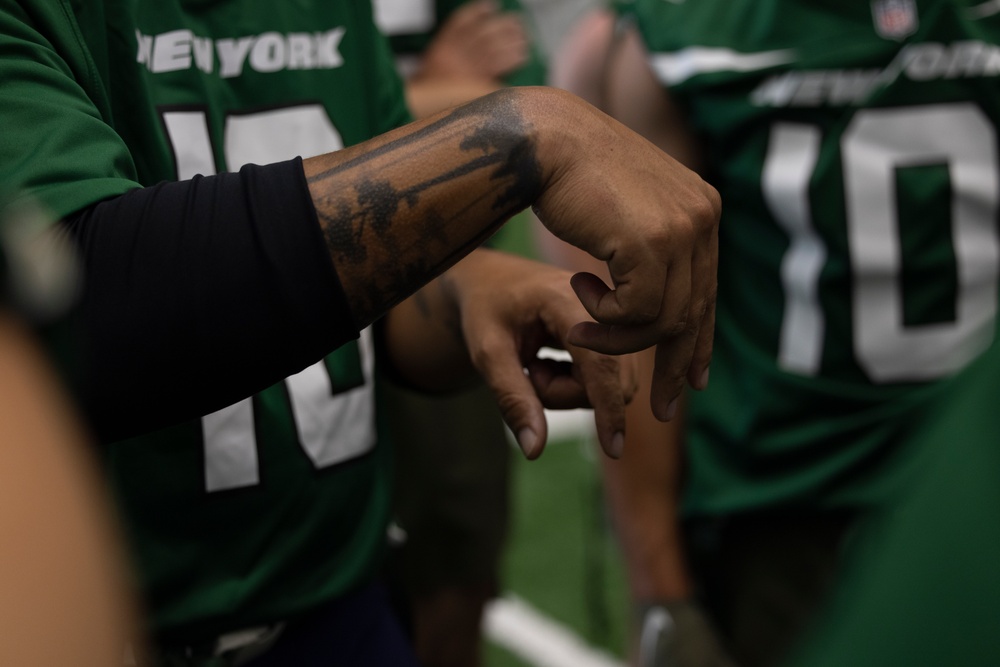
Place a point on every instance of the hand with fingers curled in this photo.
(489, 317)
(655, 223)
(510, 308)
(455, 177)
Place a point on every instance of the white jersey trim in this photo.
(674, 68)
(984, 10)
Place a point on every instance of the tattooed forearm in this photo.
(501, 126)
(400, 210)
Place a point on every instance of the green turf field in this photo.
(562, 559)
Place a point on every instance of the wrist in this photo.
(575, 152)
(559, 118)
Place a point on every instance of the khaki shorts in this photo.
(451, 479)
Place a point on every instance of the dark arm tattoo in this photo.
(408, 208)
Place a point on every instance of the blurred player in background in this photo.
(920, 580)
(855, 151)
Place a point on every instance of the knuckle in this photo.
(677, 237)
(706, 212)
(704, 209)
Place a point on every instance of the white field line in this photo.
(570, 425)
(566, 426)
(539, 640)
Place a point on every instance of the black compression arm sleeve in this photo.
(199, 293)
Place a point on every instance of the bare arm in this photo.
(579, 64)
(193, 278)
(66, 599)
(392, 214)
(634, 97)
(402, 208)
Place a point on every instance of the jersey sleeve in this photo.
(58, 145)
(186, 281)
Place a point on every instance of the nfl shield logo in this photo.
(894, 19)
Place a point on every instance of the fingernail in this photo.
(703, 382)
(528, 441)
(617, 445)
(672, 410)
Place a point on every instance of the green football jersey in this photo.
(69, 142)
(921, 587)
(855, 148)
(278, 503)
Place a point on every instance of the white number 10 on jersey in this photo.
(874, 145)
